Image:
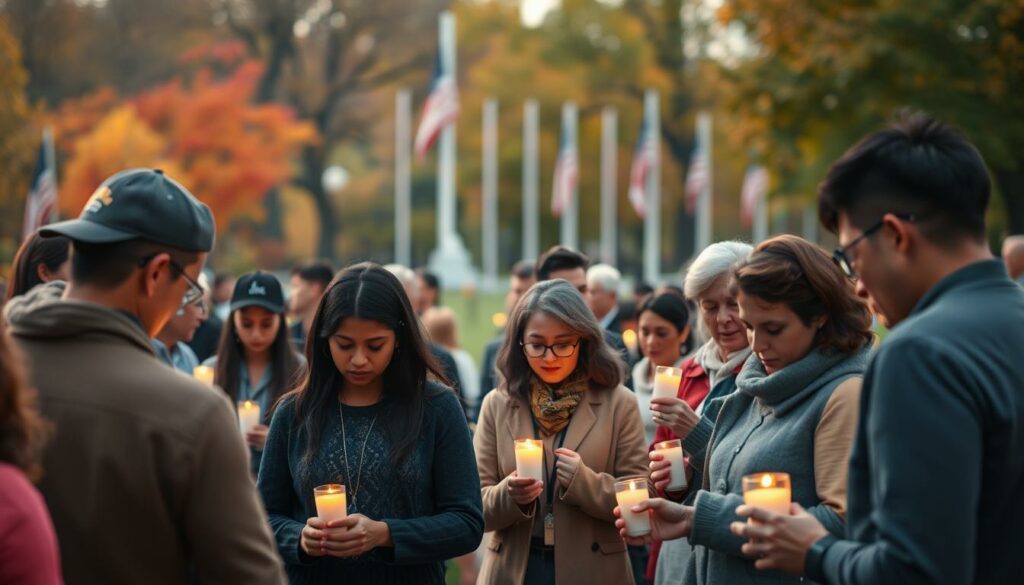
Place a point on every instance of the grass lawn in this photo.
(474, 314)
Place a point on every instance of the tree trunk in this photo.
(313, 168)
(1011, 185)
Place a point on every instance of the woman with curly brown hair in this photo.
(28, 545)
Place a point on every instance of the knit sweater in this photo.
(430, 502)
(799, 420)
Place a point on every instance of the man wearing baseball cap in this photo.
(146, 475)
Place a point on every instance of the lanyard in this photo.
(550, 487)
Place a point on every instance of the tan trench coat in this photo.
(607, 432)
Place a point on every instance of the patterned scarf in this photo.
(552, 408)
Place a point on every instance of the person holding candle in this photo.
(255, 361)
(709, 374)
(561, 385)
(369, 416)
(937, 471)
(795, 408)
(664, 323)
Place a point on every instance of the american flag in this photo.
(755, 187)
(42, 194)
(440, 109)
(643, 162)
(566, 174)
(696, 176)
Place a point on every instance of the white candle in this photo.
(203, 374)
(530, 459)
(628, 493)
(770, 491)
(672, 451)
(666, 382)
(248, 416)
(331, 502)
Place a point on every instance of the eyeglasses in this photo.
(195, 290)
(839, 255)
(538, 350)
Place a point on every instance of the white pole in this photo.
(570, 215)
(531, 180)
(704, 206)
(490, 195)
(761, 219)
(51, 162)
(609, 207)
(403, 136)
(811, 224)
(652, 220)
(446, 161)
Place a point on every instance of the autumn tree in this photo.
(19, 141)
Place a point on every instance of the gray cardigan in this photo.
(768, 424)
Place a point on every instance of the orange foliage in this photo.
(207, 134)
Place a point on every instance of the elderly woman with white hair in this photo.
(709, 375)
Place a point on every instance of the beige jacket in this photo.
(607, 432)
(146, 475)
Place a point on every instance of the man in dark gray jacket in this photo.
(937, 470)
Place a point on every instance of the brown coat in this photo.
(607, 432)
(146, 475)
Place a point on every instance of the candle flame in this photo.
(248, 403)
(632, 485)
(766, 480)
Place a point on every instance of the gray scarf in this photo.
(708, 358)
(789, 386)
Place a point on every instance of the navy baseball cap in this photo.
(258, 289)
(141, 204)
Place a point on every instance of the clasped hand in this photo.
(350, 537)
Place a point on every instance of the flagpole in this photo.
(652, 217)
(570, 215)
(760, 232)
(609, 154)
(531, 180)
(490, 195)
(450, 259)
(51, 162)
(704, 204)
(403, 124)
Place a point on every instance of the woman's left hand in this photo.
(567, 465)
(361, 535)
(257, 437)
(674, 414)
(778, 541)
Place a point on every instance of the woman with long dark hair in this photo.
(38, 261)
(664, 327)
(368, 417)
(255, 360)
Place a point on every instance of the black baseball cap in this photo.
(258, 289)
(141, 204)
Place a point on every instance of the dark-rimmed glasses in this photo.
(839, 255)
(538, 350)
(194, 291)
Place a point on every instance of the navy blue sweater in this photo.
(431, 502)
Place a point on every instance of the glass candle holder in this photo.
(628, 493)
(672, 451)
(331, 502)
(530, 459)
(768, 490)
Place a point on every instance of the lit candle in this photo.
(248, 416)
(628, 493)
(672, 451)
(666, 382)
(530, 459)
(203, 374)
(331, 503)
(770, 491)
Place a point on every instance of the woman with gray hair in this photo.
(560, 385)
(709, 375)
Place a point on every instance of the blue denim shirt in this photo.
(179, 356)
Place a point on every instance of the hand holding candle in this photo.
(770, 491)
(530, 459)
(672, 451)
(248, 416)
(628, 493)
(666, 382)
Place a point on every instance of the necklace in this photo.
(362, 454)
